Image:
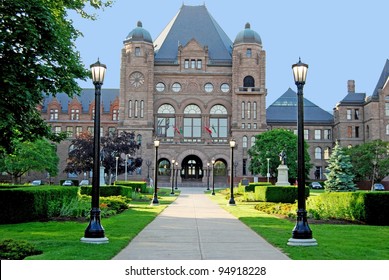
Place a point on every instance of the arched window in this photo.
(367, 132)
(192, 123)
(318, 153)
(218, 123)
(248, 81)
(327, 153)
(252, 141)
(142, 108)
(243, 109)
(136, 109)
(254, 110)
(248, 110)
(130, 109)
(387, 129)
(244, 141)
(139, 139)
(166, 121)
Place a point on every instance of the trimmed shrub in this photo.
(135, 185)
(251, 186)
(17, 249)
(342, 205)
(106, 191)
(285, 194)
(33, 203)
(377, 208)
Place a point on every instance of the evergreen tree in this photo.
(340, 177)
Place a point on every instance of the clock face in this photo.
(137, 79)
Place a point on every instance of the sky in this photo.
(339, 40)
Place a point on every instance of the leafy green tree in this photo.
(39, 156)
(340, 176)
(269, 145)
(37, 56)
(370, 160)
(118, 145)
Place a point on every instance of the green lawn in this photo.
(336, 241)
(61, 240)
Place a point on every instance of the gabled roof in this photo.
(284, 110)
(353, 98)
(193, 22)
(86, 97)
(382, 80)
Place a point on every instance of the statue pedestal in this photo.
(282, 178)
(102, 176)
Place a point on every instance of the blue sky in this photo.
(339, 40)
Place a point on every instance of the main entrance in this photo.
(192, 169)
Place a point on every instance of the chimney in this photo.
(351, 86)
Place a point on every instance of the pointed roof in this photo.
(284, 110)
(384, 79)
(193, 22)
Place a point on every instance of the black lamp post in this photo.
(172, 192)
(94, 233)
(155, 201)
(231, 202)
(177, 170)
(301, 234)
(213, 176)
(207, 176)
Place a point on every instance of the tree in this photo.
(37, 56)
(269, 145)
(340, 176)
(39, 155)
(370, 160)
(118, 145)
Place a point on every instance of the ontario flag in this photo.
(208, 130)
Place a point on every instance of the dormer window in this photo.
(75, 114)
(53, 114)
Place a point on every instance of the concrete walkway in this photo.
(195, 228)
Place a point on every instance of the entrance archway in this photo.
(192, 169)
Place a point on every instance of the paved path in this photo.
(195, 228)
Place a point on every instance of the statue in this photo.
(282, 156)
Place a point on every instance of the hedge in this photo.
(251, 186)
(284, 194)
(369, 207)
(135, 185)
(33, 203)
(108, 191)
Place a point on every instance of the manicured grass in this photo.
(61, 240)
(336, 241)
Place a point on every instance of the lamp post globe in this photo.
(155, 201)
(301, 233)
(231, 202)
(94, 233)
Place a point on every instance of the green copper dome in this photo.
(247, 36)
(139, 34)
